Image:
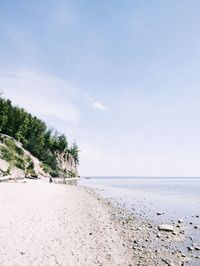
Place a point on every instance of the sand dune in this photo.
(49, 224)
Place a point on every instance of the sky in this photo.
(121, 78)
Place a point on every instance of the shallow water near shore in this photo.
(173, 198)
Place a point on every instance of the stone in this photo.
(190, 248)
(196, 227)
(180, 221)
(168, 262)
(166, 227)
(197, 248)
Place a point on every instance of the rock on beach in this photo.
(166, 227)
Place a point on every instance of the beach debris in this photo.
(197, 216)
(190, 248)
(166, 227)
(197, 248)
(160, 213)
(180, 221)
(196, 227)
(22, 253)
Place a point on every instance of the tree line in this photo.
(34, 134)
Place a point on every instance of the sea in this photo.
(174, 198)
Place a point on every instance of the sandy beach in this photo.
(48, 224)
(54, 224)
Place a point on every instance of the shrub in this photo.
(55, 173)
(19, 151)
(19, 163)
(7, 154)
(8, 172)
(46, 168)
(71, 174)
(30, 170)
(10, 143)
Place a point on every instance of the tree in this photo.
(74, 151)
(34, 134)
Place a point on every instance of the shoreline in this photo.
(147, 244)
(73, 225)
(176, 210)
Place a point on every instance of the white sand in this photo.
(49, 224)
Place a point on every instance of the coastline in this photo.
(147, 244)
(54, 224)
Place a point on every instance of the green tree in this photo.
(74, 151)
(34, 134)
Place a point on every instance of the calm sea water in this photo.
(176, 198)
(172, 195)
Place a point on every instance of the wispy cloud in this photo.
(99, 106)
(41, 94)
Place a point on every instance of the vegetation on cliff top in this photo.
(34, 134)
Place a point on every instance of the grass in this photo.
(13, 154)
(12, 157)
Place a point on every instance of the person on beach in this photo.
(50, 179)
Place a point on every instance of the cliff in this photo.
(18, 163)
(29, 148)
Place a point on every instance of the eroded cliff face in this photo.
(67, 164)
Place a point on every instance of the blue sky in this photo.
(119, 77)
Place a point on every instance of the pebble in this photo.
(197, 248)
(196, 227)
(180, 221)
(168, 262)
(190, 248)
